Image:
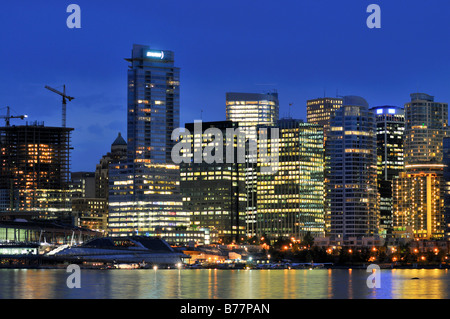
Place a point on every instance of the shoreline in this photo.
(187, 267)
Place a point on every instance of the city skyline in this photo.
(245, 155)
(215, 57)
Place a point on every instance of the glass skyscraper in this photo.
(153, 104)
(214, 193)
(390, 121)
(250, 110)
(144, 190)
(321, 110)
(290, 200)
(351, 192)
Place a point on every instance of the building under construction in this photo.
(35, 172)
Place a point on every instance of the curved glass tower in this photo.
(351, 192)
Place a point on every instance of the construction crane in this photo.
(64, 101)
(8, 116)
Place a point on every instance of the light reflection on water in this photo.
(225, 284)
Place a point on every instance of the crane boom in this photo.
(64, 102)
(8, 116)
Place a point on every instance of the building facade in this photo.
(419, 202)
(35, 170)
(153, 104)
(82, 184)
(290, 200)
(117, 154)
(390, 121)
(321, 110)
(214, 192)
(351, 192)
(145, 200)
(144, 191)
(250, 110)
(91, 213)
(446, 162)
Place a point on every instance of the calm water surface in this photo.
(224, 284)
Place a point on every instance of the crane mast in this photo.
(8, 116)
(64, 101)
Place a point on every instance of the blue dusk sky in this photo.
(302, 48)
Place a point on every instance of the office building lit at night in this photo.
(250, 110)
(390, 121)
(153, 104)
(144, 190)
(351, 192)
(321, 110)
(214, 193)
(145, 199)
(290, 200)
(419, 192)
(446, 162)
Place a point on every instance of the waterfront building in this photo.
(446, 162)
(145, 199)
(351, 191)
(250, 110)
(420, 190)
(214, 193)
(290, 200)
(131, 252)
(34, 164)
(43, 231)
(144, 190)
(320, 111)
(390, 121)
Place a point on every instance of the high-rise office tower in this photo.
(321, 110)
(419, 192)
(153, 104)
(214, 191)
(34, 163)
(144, 191)
(351, 192)
(390, 121)
(250, 110)
(446, 162)
(290, 200)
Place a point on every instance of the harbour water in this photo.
(225, 284)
